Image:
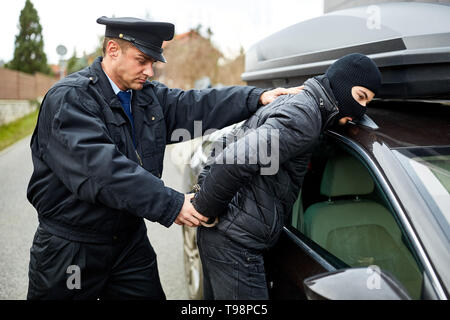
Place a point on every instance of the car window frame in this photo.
(397, 208)
(330, 263)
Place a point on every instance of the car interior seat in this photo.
(358, 231)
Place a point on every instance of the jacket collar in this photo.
(319, 88)
(99, 78)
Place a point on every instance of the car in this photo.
(372, 218)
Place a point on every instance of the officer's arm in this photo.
(215, 108)
(78, 149)
(262, 151)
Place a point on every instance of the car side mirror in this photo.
(355, 284)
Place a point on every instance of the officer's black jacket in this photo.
(89, 182)
(254, 204)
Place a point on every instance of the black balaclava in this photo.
(352, 70)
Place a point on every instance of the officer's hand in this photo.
(188, 215)
(268, 96)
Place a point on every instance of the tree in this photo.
(29, 55)
(72, 62)
(75, 64)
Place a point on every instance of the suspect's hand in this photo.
(188, 215)
(269, 96)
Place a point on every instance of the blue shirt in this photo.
(117, 90)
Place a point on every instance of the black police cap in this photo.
(147, 36)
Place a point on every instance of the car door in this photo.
(341, 219)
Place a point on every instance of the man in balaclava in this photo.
(253, 205)
(353, 70)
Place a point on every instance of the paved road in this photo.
(18, 223)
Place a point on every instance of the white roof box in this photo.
(409, 41)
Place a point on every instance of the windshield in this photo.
(429, 168)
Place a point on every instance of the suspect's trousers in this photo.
(63, 269)
(230, 271)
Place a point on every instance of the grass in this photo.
(18, 129)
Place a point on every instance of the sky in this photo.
(234, 23)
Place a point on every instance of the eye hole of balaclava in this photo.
(352, 70)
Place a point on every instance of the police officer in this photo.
(98, 153)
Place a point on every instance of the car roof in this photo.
(409, 42)
(404, 124)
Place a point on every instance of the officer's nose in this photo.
(148, 71)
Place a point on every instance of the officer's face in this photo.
(133, 68)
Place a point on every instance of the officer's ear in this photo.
(113, 49)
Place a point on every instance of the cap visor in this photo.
(153, 54)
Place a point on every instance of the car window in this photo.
(429, 169)
(342, 210)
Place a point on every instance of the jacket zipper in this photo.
(329, 98)
(139, 158)
(326, 93)
(133, 137)
(330, 117)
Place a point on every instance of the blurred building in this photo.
(333, 5)
(56, 69)
(190, 56)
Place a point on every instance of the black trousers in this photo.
(63, 269)
(230, 271)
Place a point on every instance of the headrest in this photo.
(344, 175)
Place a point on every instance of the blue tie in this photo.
(125, 100)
